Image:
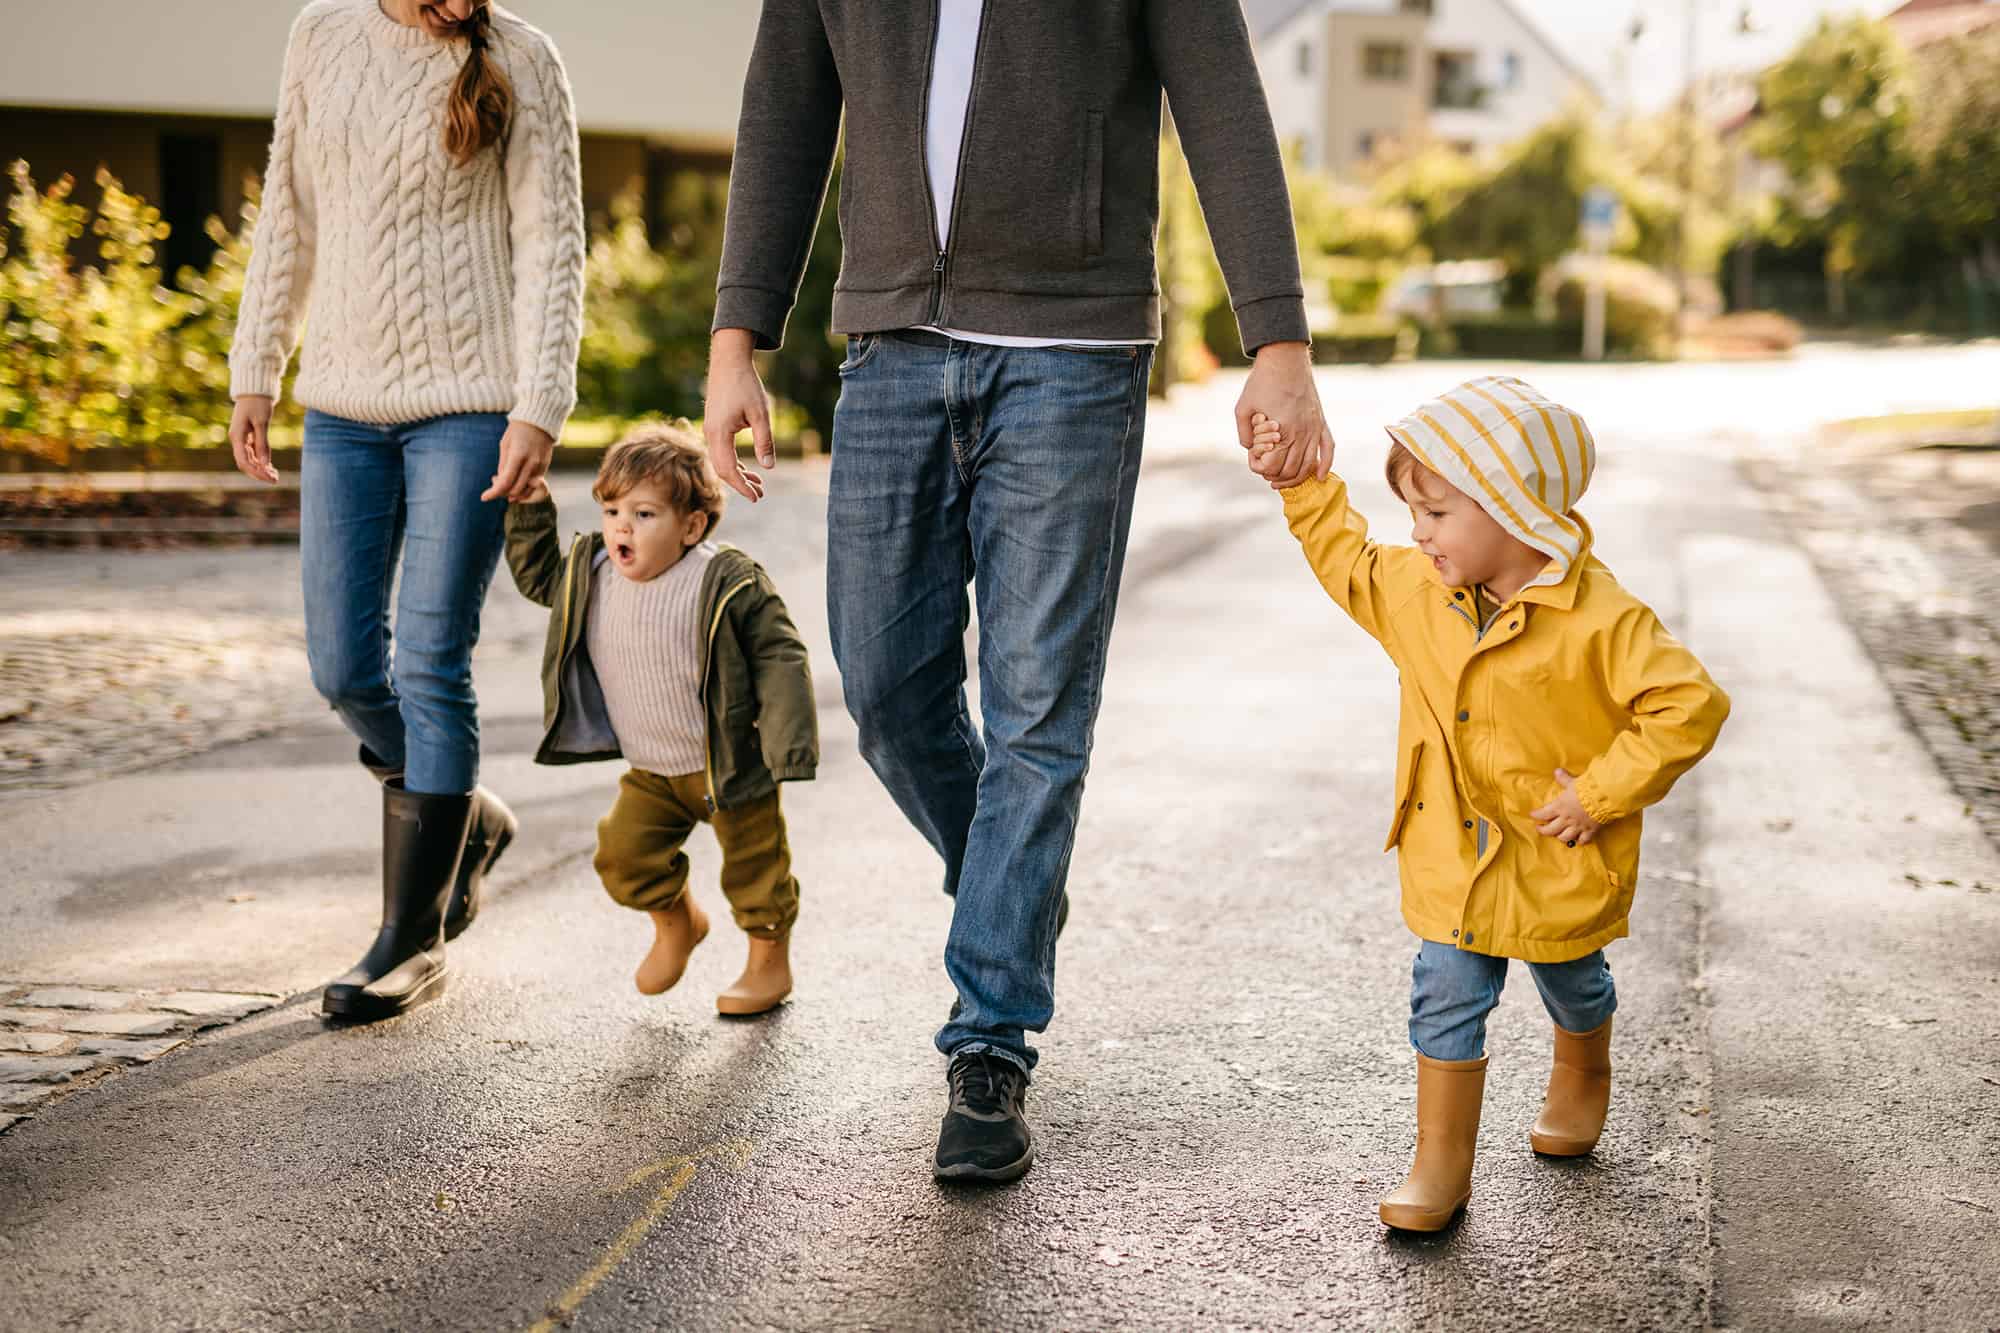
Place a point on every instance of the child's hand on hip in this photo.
(1565, 817)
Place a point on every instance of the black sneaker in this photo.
(985, 1135)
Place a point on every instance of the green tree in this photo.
(1956, 134)
(1837, 115)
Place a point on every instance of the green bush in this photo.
(1640, 303)
(1365, 341)
(107, 355)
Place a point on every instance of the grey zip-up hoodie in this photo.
(1058, 185)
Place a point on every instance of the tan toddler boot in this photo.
(766, 979)
(676, 931)
(1449, 1093)
(1579, 1094)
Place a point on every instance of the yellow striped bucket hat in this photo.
(1523, 456)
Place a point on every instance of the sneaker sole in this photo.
(997, 1175)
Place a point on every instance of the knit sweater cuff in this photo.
(256, 381)
(1274, 319)
(550, 412)
(757, 309)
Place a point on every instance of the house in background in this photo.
(1348, 78)
(176, 97)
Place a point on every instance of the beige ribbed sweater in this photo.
(645, 644)
(435, 288)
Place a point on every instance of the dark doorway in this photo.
(190, 194)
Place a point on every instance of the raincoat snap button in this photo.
(1468, 937)
(1513, 624)
(1468, 823)
(1459, 595)
(1464, 716)
(1420, 805)
(1454, 934)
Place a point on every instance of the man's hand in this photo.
(1565, 817)
(735, 401)
(1281, 387)
(250, 437)
(525, 452)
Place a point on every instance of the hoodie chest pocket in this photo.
(1406, 791)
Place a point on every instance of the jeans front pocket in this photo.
(860, 348)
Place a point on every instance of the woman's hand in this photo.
(525, 452)
(250, 437)
(1565, 817)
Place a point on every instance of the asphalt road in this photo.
(1804, 1129)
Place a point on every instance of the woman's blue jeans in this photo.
(369, 494)
(1452, 991)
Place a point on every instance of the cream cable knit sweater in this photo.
(435, 288)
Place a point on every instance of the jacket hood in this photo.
(1523, 456)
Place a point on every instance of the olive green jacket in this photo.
(763, 721)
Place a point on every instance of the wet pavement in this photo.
(1807, 1104)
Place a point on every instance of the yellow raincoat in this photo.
(1573, 673)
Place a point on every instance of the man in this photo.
(999, 201)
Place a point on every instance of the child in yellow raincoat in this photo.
(1543, 707)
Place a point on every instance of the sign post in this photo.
(1600, 219)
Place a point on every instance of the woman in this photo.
(423, 188)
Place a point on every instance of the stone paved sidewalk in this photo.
(54, 1039)
(88, 693)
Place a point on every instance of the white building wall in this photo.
(1522, 94)
(1295, 86)
(671, 68)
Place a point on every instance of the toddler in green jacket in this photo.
(676, 654)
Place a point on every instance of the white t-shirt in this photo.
(950, 95)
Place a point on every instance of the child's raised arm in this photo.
(1367, 578)
(534, 552)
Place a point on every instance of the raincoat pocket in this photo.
(1406, 791)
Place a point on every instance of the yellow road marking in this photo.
(680, 1172)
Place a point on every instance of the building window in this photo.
(1305, 58)
(1386, 61)
(1510, 70)
(1456, 86)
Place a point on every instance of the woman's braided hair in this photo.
(481, 100)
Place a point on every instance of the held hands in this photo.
(250, 438)
(1565, 817)
(525, 452)
(736, 402)
(1264, 442)
(1281, 389)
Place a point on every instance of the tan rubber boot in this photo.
(766, 979)
(1579, 1094)
(1449, 1093)
(676, 931)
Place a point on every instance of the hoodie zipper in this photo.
(941, 264)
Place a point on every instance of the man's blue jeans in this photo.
(1452, 991)
(367, 494)
(1012, 470)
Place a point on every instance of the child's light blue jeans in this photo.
(1452, 991)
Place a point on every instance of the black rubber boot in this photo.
(493, 826)
(423, 838)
